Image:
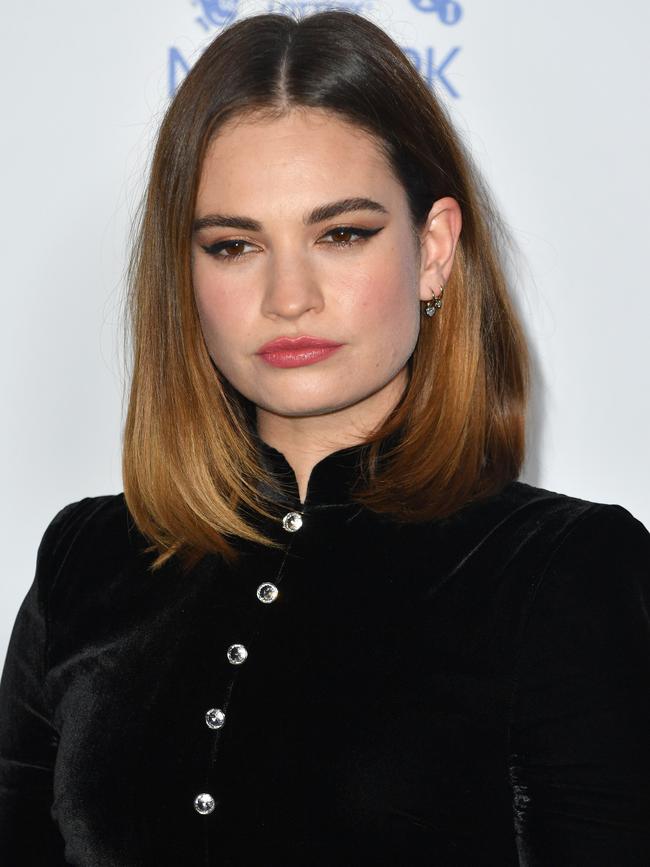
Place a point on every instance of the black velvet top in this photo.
(468, 691)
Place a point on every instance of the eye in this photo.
(215, 250)
(350, 230)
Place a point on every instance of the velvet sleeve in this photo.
(580, 716)
(28, 738)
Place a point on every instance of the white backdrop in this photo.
(550, 98)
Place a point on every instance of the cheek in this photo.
(221, 313)
(387, 304)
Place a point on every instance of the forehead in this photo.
(302, 148)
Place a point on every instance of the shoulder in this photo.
(92, 514)
(582, 524)
(598, 566)
(525, 533)
(589, 586)
(93, 525)
(583, 639)
(558, 520)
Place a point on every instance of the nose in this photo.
(292, 287)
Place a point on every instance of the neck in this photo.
(307, 439)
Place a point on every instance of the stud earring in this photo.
(435, 303)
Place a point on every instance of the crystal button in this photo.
(204, 803)
(215, 718)
(267, 592)
(236, 653)
(292, 521)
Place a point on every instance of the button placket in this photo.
(267, 592)
(215, 718)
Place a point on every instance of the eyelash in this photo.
(214, 249)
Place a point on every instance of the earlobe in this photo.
(438, 245)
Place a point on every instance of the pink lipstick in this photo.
(297, 351)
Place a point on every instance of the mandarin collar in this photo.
(331, 482)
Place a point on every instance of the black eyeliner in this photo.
(213, 249)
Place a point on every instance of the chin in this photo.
(309, 406)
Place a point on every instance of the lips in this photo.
(295, 344)
(297, 351)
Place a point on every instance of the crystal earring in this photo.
(435, 303)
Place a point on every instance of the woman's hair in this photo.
(191, 467)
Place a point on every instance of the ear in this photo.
(438, 244)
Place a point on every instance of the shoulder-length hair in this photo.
(191, 469)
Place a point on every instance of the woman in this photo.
(325, 623)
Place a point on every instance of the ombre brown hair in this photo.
(191, 467)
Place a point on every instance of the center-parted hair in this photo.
(191, 468)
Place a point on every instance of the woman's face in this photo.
(263, 268)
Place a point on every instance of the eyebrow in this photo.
(317, 215)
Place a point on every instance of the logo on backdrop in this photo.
(215, 13)
(448, 11)
(432, 64)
